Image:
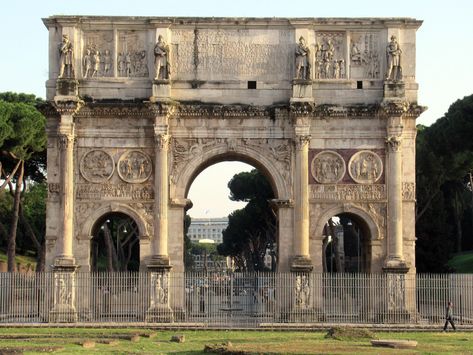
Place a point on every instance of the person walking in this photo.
(449, 317)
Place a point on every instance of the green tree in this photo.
(251, 230)
(22, 140)
(444, 162)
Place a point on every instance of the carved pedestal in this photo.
(161, 90)
(67, 88)
(305, 300)
(159, 310)
(64, 310)
(396, 309)
(394, 90)
(302, 91)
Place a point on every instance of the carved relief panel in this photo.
(134, 167)
(97, 166)
(365, 167)
(327, 167)
(132, 56)
(364, 55)
(97, 54)
(329, 55)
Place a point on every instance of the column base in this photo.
(301, 263)
(64, 264)
(159, 263)
(159, 314)
(63, 313)
(395, 266)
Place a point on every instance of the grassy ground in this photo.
(69, 340)
(462, 263)
(21, 259)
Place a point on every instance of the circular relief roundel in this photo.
(97, 166)
(134, 166)
(365, 167)
(328, 167)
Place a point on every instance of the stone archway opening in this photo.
(115, 244)
(346, 244)
(239, 234)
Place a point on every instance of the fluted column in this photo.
(159, 244)
(65, 139)
(394, 258)
(301, 261)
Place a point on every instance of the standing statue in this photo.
(393, 56)
(161, 59)
(302, 60)
(66, 69)
(87, 64)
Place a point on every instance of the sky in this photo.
(444, 52)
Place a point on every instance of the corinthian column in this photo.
(394, 259)
(65, 138)
(301, 261)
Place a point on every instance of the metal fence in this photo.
(226, 300)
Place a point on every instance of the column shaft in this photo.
(301, 245)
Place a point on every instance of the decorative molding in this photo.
(351, 192)
(115, 110)
(279, 203)
(65, 141)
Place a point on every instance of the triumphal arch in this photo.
(325, 108)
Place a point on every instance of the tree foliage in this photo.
(444, 198)
(22, 152)
(251, 230)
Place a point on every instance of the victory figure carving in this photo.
(161, 59)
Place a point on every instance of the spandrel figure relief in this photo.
(97, 166)
(328, 167)
(365, 167)
(134, 166)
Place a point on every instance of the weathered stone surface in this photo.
(178, 338)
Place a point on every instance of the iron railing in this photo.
(244, 300)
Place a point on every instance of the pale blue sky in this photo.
(444, 42)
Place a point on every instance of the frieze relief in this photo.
(97, 166)
(97, 58)
(364, 55)
(365, 167)
(53, 191)
(349, 192)
(113, 192)
(134, 167)
(327, 167)
(329, 55)
(132, 57)
(408, 191)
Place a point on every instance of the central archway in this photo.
(279, 178)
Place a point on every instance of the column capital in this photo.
(393, 143)
(302, 141)
(67, 107)
(65, 141)
(162, 140)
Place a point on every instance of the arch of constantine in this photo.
(139, 106)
